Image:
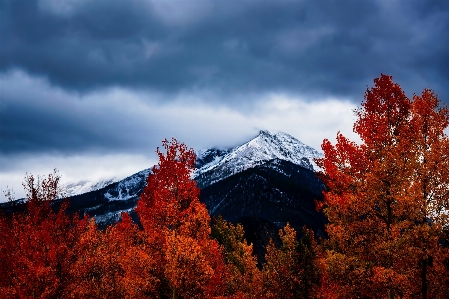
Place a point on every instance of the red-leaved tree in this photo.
(38, 246)
(177, 227)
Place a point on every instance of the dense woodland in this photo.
(387, 202)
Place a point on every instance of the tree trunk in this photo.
(424, 263)
(424, 279)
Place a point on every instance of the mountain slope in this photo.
(277, 191)
(84, 186)
(216, 164)
(264, 198)
(107, 203)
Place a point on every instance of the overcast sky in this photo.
(91, 87)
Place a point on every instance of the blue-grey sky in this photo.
(91, 87)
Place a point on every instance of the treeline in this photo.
(387, 202)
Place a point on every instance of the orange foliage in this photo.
(113, 264)
(386, 198)
(54, 255)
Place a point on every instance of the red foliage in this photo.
(386, 201)
(177, 226)
(39, 246)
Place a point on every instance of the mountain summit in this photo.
(215, 164)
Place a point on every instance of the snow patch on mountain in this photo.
(129, 187)
(76, 188)
(210, 156)
(125, 188)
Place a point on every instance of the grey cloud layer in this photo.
(59, 61)
(317, 47)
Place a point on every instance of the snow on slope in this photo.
(129, 187)
(264, 147)
(75, 188)
(124, 190)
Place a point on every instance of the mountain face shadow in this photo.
(264, 198)
(277, 191)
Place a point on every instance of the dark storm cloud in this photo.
(333, 48)
(33, 129)
(36, 118)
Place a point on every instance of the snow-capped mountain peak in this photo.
(264, 147)
(275, 153)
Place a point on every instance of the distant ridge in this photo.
(84, 186)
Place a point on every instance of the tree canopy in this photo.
(387, 199)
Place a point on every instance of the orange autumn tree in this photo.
(139, 269)
(430, 189)
(98, 265)
(386, 198)
(38, 245)
(112, 263)
(177, 227)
